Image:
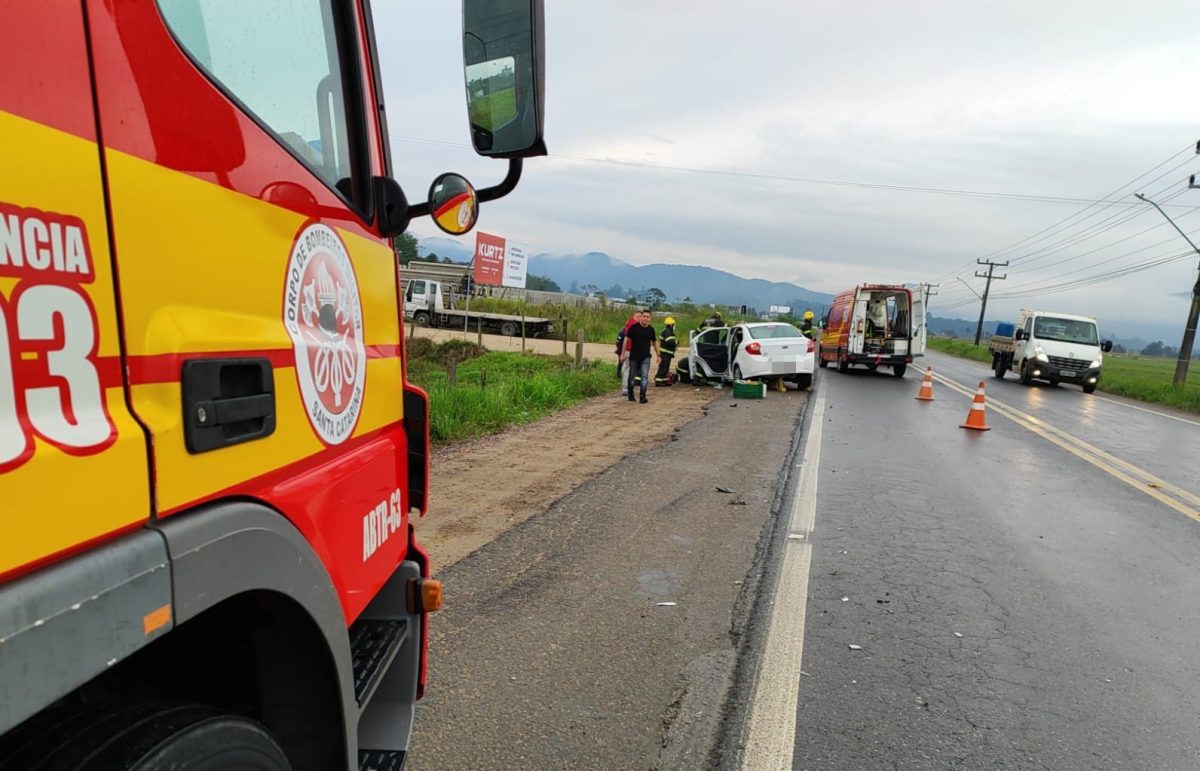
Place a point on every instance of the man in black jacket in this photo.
(638, 341)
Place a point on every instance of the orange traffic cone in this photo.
(975, 418)
(926, 392)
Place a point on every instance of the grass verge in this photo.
(495, 390)
(1144, 379)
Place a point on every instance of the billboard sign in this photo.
(489, 259)
(781, 310)
(499, 262)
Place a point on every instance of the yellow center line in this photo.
(1184, 502)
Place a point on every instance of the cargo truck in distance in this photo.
(430, 304)
(209, 467)
(874, 325)
(1054, 347)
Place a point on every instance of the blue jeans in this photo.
(639, 374)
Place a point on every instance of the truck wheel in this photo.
(898, 370)
(1090, 388)
(422, 318)
(157, 737)
(843, 365)
(821, 362)
(999, 367)
(509, 329)
(1026, 378)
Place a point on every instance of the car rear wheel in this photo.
(737, 372)
(804, 381)
(898, 370)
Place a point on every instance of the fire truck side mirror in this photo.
(504, 60)
(453, 203)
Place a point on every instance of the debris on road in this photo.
(666, 604)
(737, 501)
(958, 634)
(724, 490)
(855, 647)
(845, 599)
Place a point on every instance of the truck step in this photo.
(381, 760)
(374, 644)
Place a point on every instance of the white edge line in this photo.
(772, 735)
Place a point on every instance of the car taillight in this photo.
(754, 348)
(811, 346)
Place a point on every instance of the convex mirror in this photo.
(453, 204)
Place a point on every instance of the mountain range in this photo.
(601, 272)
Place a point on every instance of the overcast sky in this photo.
(1050, 99)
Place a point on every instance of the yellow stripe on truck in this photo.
(55, 500)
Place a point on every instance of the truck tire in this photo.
(999, 366)
(843, 365)
(1026, 378)
(821, 362)
(510, 328)
(148, 738)
(421, 318)
(1090, 388)
(898, 370)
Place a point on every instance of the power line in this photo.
(792, 179)
(1070, 217)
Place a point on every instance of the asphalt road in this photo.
(555, 649)
(1023, 597)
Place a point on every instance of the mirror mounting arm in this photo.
(507, 185)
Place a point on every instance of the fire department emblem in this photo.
(323, 315)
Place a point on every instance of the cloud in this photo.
(1069, 99)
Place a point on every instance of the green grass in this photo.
(599, 325)
(1145, 379)
(519, 388)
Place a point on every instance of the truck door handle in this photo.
(226, 402)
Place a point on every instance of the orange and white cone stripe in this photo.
(975, 418)
(926, 392)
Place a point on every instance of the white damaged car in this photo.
(753, 351)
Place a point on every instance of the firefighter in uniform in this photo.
(667, 345)
(806, 326)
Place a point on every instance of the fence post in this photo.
(579, 351)
(479, 337)
(522, 330)
(564, 326)
(452, 372)
(483, 378)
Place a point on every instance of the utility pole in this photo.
(928, 292)
(1189, 329)
(983, 305)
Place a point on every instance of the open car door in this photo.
(708, 352)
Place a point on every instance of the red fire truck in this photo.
(209, 450)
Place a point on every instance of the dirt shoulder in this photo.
(483, 487)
